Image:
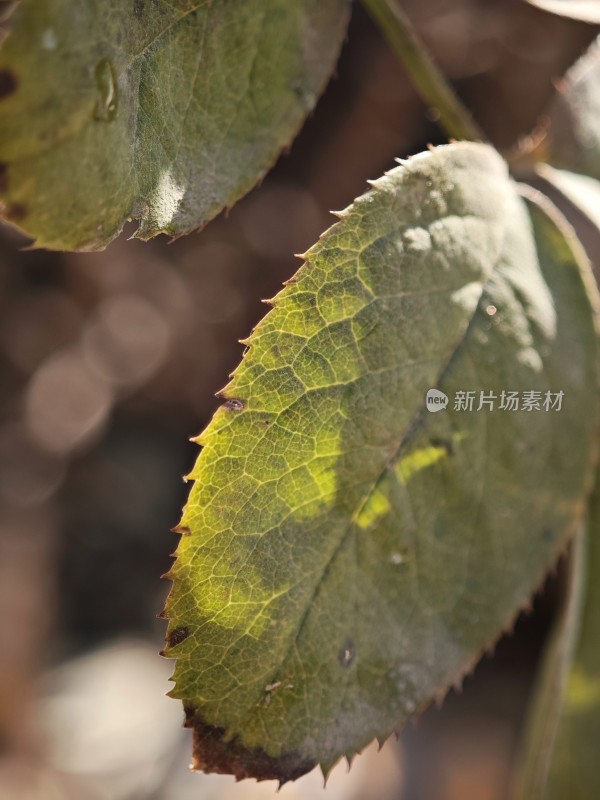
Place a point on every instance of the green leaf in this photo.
(561, 745)
(347, 555)
(580, 190)
(574, 769)
(166, 112)
(574, 118)
(535, 753)
(584, 10)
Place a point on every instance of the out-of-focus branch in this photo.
(454, 117)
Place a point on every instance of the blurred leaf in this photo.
(347, 555)
(564, 731)
(574, 118)
(165, 112)
(536, 751)
(581, 190)
(574, 769)
(584, 10)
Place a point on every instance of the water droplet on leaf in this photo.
(106, 84)
(49, 40)
(233, 404)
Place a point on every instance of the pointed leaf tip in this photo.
(215, 751)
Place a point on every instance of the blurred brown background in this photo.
(110, 361)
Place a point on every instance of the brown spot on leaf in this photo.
(8, 83)
(213, 754)
(16, 212)
(177, 636)
(233, 404)
(547, 535)
(444, 444)
(3, 177)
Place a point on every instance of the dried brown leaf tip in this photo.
(182, 530)
(214, 752)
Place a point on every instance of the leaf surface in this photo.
(574, 118)
(348, 554)
(537, 747)
(561, 745)
(584, 10)
(574, 766)
(165, 112)
(580, 190)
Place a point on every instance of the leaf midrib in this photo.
(392, 458)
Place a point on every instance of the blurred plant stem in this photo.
(534, 756)
(454, 117)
